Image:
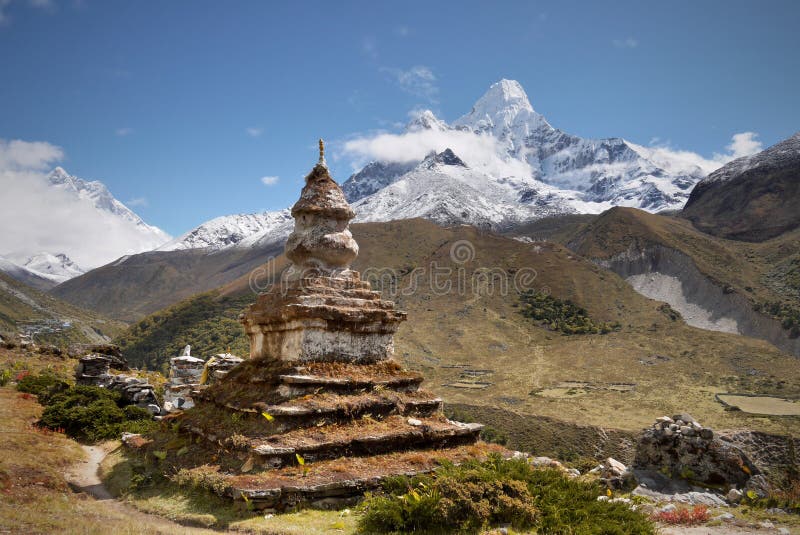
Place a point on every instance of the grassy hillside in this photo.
(24, 309)
(477, 347)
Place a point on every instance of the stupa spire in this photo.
(321, 240)
(322, 153)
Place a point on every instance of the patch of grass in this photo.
(476, 495)
(564, 316)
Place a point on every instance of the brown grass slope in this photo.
(144, 283)
(652, 366)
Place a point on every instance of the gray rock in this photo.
(685, 417)
(686, 456)
(724, 517)
(758, 484)
(734, 496)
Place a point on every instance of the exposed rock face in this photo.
(700, 301)
(680, 448)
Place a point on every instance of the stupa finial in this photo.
(321, 153)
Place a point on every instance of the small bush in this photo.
(490, 434)
(5, 377)
(475, 495)
(564, 316)
(43, 386)
(684, 517)
(91, 413)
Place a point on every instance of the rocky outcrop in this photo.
(682, 449)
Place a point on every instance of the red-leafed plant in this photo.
(684, 516)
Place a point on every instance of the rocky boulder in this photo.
(681, 448)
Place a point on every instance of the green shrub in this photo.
(490, 434)
(475, 495)
(564, 316)
(43, 386)
(5, 377)
(91, 413)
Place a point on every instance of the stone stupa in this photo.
(320, 412)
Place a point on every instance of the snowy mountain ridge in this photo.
(533, 170)
(226, 231)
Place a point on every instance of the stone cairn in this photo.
(320, 412)
(185, 372)
(94, 370)
(681, 448)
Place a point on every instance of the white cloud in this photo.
(629, 42)
(477, 150)
(254, 131)
(17, 155)
(122, 132)
(269, 180)
(418, 80)
(137, 201)
(671, 159)
(744, 144)
(37, 217)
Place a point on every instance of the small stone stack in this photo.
(136, 391)
(218, 366)
(681, 448)
(93, 370)
(185, 373)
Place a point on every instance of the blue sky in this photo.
(182, 107)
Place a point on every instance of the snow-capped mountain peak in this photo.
(506, 165)
(505, 112)
(56, 267)
(446, 157)
(426, 120)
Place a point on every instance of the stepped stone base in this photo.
(280, 434)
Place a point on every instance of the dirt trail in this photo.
(84, 477)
